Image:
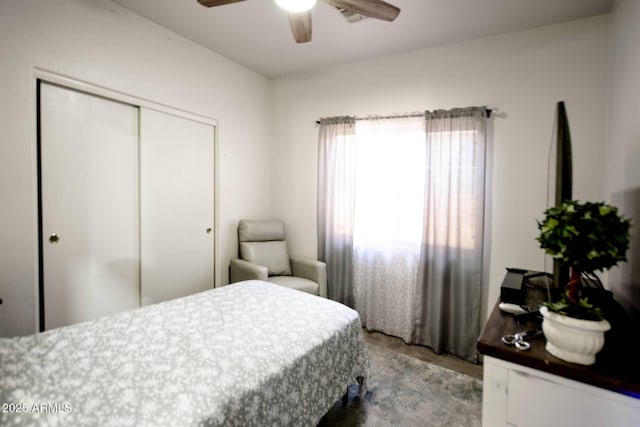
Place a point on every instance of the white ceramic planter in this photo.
(573, 340)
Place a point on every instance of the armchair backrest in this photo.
(264, 242)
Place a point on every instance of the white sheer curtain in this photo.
(400, 216)
(387, 232)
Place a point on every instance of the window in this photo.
(391, 184)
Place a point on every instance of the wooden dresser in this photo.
(534, 388)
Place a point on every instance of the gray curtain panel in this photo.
(447, 300)
(336, 196)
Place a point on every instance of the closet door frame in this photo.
(46, 76)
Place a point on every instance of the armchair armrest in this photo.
(312, 270)
(240, 270)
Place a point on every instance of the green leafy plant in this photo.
(587, 237)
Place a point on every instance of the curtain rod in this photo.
(401, 116)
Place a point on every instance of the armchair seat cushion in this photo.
(297, 283)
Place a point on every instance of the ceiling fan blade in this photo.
(372, 8)
(300, 23)
(211, 3)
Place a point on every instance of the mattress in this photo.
(251, 353)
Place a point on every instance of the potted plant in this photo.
(587, 237)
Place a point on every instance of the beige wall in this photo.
(521, 74)
(105, 45)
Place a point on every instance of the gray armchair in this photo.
(264, 256)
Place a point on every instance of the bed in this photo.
(251, 353)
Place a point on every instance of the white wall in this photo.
(104, 44)
(521, 74)
(622, 154)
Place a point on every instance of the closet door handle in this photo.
(209, 230)
(54, 238)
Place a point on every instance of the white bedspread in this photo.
(251, 353)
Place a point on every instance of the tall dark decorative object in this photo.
(564, 180)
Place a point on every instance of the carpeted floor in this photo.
(405, 391)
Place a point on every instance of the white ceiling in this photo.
(256, 33)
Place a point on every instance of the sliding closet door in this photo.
(89, 206)
(177, 187)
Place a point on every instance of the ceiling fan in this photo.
(300, 12)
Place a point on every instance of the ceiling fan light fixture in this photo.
(296, 5)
